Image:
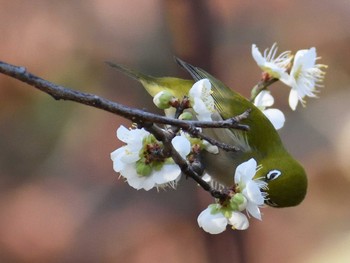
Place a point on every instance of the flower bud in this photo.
(162, 99)
(238, 202)
(186, 116)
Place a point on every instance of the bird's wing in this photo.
(224, 99)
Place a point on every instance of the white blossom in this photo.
(139, 175)
(130, 152)
(238, 221)
(167, 174)
(249, 187)
(305, 76)
(215, 222)
(275, 116)
(201, 99)
(247, 196)
(182, 145)
(275, 67)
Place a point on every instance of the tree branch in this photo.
(135, 115)
(141, 117)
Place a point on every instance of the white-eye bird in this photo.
(285, 177)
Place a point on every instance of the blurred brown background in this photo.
(60, 200)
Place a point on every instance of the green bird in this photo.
(285, 177)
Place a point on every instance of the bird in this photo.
(285, 177)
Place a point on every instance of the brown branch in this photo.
(135, 115)
(141, 117)
(229, 148)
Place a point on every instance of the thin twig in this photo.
(262, 85)
(226, 147)
(187, 170)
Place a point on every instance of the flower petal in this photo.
(305, 58)
(275, 67)
(123, 134)
(259, 59)
(293, 99)
(168, 173)
(182, 145)
(118, 165)
(286, 79)
(212, 223)
(264, 99)
(148, 183)
(245, 171)
(238, 221)
(117, 153)
(276, 117)
(203, 114)
(201, 99)
(253, 194)
(253, 210)
(136, 181)
(130, 157)
(200, 87)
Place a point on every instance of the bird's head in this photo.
(286, 179)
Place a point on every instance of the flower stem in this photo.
(262, 85)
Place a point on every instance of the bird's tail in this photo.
(194, 71)
(129, 72)
(151, 84)
(178, 87)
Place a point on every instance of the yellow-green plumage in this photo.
(261, 142)
(155, 85)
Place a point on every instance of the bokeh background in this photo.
(60, 200)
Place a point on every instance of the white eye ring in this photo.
(272, 175)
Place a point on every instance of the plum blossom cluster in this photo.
(142, 165)
(299, 72)
(142, 161)
(247, 195)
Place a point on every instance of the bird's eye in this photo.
(272, 175)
